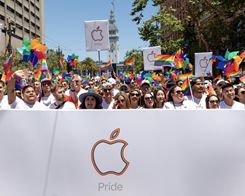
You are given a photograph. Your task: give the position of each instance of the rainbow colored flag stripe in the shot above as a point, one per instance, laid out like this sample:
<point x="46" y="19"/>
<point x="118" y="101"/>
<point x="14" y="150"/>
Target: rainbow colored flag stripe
<point x="107" y="65"/>
<point x="186" y="87"/>
<point x="130" y="61"/>
<point x="164" y="60"/>
<point x="234" y="74"/>
<point x="186" y="75"/>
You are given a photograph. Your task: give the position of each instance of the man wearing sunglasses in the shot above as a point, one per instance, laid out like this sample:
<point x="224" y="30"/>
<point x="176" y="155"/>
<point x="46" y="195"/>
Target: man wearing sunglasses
<point x="46" y="97"/>
<point x="75" y="90"/>
<point x="108" y="101"/>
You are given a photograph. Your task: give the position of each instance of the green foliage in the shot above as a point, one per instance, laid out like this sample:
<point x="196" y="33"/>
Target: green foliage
<point x="53" y="60"/>
<point x="208" y="25"/>
<point x="89" y="66"/>
<point x="139" y="62"/>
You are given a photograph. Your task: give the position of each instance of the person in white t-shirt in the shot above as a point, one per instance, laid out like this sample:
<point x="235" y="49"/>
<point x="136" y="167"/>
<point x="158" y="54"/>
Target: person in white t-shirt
<point x="3" y="98"/>
<point x="46" y="97"/>
<point x="176" y="100"/>
<point x="198" y="92"/>
<point x="29" y="97"/>
<point x="60" y="99"/>
<point x="228" y="102"/>
<point x="108" y="100"/>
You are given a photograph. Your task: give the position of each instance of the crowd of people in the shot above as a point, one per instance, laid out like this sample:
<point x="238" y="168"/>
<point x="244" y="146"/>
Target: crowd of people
<point x="114" y="94"/>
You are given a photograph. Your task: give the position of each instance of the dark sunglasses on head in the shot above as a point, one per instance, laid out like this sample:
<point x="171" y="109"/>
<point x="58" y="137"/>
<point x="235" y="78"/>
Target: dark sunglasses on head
<point x="179" y="92"/>
<point x="135" y="94"/>
<point x="213" y="101"/>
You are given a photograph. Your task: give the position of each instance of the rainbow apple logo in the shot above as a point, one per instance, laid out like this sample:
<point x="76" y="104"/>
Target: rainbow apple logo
<point x="108" y="155"/>
<point x="97" y="34"/>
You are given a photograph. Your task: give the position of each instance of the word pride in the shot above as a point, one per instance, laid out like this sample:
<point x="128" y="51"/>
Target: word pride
<point x="109" y="186"/>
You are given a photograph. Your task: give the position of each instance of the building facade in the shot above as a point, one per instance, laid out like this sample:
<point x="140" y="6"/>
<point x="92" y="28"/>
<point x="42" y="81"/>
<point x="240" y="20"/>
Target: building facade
<point x="27" y="17"/>
<point x="113" y="37"/>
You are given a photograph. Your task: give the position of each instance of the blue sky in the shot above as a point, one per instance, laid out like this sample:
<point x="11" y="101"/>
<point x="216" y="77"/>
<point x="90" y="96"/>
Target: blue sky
<point x="64" y="25"/>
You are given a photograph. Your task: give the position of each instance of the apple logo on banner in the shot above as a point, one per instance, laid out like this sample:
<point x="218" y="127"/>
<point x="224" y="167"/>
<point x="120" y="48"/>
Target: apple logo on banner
<point x="204" y="62"/>
<point x="108" y="155"/>
<point x="97" y="34"/>
<point x="151" y="56"/>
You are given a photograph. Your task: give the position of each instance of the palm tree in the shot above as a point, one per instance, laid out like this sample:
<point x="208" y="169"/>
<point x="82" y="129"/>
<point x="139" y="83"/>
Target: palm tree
<point x="90" y="66"/>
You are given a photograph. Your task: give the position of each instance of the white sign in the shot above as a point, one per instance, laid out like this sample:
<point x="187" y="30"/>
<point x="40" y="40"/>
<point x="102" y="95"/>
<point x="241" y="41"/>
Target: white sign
<point x="149" y="58"/>
<point x="97" y="35"/>
<point x="72" y="155"/>
<point x="203" y="65"/>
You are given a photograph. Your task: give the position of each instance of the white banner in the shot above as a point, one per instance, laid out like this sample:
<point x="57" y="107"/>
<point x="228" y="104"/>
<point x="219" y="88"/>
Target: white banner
<point x="149" y="58"/>
<point x="203" y="65"/>
<point x="101" y="153"/>
<point x="97" y="35"/>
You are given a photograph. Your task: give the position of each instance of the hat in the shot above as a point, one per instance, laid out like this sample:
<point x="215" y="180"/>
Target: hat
<point x="145" y="82"/>
<point x="45" y="80"/>
<point x="91" y="93"/>
<point x="112" y="81"/>
<point x="124" y="88"/>
<point x="195" y="80"/>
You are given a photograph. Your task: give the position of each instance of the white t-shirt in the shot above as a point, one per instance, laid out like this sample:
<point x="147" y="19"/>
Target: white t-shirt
<point x="4" y="103"/>
<point x="236" y="106"/>
<point x="199" y="103"/>
<point x="107" y="106"/>
<point x="21" y="105"/>
<point x="66" y="106"/>
<point x="186" y="104"/>
<point x="47" y="100"/>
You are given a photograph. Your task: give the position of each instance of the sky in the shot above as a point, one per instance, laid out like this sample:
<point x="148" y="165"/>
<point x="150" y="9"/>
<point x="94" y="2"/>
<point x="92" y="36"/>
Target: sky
<point x="64" y="25"/>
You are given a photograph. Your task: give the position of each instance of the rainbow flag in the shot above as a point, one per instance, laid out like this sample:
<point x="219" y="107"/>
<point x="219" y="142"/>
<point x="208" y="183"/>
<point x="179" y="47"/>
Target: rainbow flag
<point x="38" y="73"/>
<point x="165" y="60"/>
<point x="186" y="87"/>
<point x="186" y="75"/>
<point x="8" y="62"/>
<point x="242" y="79"/>
<point x="44" y="65"/>
<point x="61" y="64"/>
<point x="107" y="65"/>
<point x="130" y="61"/>
<point x="234" y="74"/>
<point x="211" y="90"/>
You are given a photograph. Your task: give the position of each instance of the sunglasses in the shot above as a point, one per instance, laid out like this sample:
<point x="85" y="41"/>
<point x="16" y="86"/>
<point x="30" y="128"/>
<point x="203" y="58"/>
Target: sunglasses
<point x="179" y="92"/>
<point x="148" y="98"/>
<point x="77" y="81"/>
<point x="121" y="101"/>
<point x="213" y="101"/>
<point x="107" y="90"/>
<point x="46" y="83"/>
<point x="243" y="92"/>
<point x="135" y="94"/>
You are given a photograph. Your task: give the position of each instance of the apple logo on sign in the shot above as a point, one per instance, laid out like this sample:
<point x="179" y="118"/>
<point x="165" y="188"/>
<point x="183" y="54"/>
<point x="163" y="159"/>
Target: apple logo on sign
<point x="204" y="62"/>
<point x="151" y="56"/>
<point x="108" y="155"/>
<point x="97" y="34"/>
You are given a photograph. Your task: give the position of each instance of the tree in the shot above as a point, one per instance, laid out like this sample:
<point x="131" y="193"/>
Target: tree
<point x="160" y="27"/>
<point x="53" y="60"/>
<point x="90" y="66"/>
<point x="139" y="64"/>
<point x="207" y="26"/>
